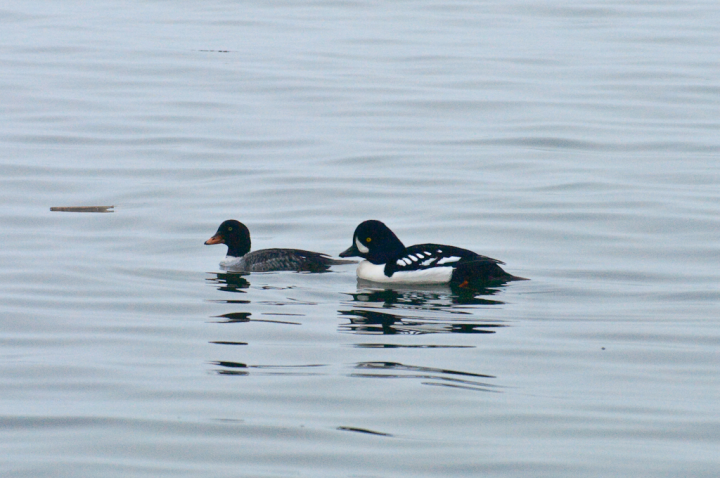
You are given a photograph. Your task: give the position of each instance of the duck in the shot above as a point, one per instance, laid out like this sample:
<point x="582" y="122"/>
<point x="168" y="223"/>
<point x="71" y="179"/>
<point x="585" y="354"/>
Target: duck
<point x="236" y="236"/>
<point x="387" y="260"/>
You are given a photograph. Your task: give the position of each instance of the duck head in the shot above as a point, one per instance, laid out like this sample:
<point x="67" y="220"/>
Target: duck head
<point x="375" y="242"/>
<point x="233" y="234"/>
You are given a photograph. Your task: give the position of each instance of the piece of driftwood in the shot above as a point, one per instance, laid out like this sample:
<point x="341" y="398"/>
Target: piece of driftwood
<point x="83" y="209"/>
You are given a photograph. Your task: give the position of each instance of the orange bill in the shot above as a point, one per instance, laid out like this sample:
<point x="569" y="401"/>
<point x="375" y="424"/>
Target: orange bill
<point x="215" y="240"/>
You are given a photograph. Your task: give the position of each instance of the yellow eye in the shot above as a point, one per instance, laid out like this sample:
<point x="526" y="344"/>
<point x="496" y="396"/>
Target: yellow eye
<point x="229" y="228"/>
<point x="368" y="239"/>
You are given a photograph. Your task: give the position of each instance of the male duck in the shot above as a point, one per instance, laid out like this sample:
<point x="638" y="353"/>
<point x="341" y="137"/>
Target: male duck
<point x="389" y="261"/>
<point x="236" y="236"/>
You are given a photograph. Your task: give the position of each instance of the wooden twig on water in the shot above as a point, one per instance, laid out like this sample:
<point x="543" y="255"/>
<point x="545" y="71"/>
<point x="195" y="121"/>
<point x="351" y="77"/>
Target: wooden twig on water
<point x="83" y="209"/>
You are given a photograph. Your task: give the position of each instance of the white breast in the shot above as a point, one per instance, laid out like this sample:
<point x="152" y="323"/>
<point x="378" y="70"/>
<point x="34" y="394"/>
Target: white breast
<point x="376" y="273"/>
<point x="232" y="263"/>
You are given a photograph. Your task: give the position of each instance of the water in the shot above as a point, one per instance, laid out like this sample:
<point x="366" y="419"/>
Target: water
<point x="576" y="143"/>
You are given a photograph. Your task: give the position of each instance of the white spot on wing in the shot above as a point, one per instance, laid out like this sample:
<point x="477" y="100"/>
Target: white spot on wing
<point x="445" y="260"/>
<point x="414" y="259"/>
<point x="360" y="246"/>
<point x="428" y="262"/>
<point x="400" y="262"/>
<point x="407" y="261"/>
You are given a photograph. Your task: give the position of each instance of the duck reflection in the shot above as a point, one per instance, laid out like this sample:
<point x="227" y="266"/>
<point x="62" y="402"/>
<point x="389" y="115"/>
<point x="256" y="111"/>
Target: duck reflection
<point x="441" y="295"/>
<point x="238" y="317"/>
<point x="419" y="310"/>
<point x="243" y="369"/>
<point x="234" y="282"/>
<point x="370" y="322"/>
<point x="230" y="281"/>
<point x="429" y="375"/>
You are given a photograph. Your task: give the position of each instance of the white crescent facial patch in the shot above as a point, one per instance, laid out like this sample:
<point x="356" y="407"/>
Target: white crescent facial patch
<point x="360" y="247"/>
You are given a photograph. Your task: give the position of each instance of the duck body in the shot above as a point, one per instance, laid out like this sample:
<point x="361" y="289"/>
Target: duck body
<point x="268" y="260"/>
<point x="387" y="260"/>
<point x="236" y="236"/>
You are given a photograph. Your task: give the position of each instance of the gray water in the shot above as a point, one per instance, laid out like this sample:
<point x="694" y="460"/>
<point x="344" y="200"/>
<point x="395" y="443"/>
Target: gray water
<point x="578" y="143"/>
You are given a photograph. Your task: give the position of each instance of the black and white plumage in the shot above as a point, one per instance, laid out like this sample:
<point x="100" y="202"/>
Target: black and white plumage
<point x="388" y="260"/>
<point x="236" y="236"/>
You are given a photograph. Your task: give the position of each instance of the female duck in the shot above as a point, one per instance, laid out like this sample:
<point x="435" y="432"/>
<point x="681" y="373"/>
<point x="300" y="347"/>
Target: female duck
<point x="388" y="260"/>
<point x="236" y="236"/>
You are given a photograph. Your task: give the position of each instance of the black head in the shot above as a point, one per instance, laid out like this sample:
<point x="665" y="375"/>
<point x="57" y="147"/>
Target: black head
<point x="235" y="235"/>
<point x="375" y="242"/>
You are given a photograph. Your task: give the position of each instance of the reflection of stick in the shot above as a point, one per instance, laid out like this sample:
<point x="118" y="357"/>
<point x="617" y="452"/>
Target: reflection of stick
<point x="83" y="209"/>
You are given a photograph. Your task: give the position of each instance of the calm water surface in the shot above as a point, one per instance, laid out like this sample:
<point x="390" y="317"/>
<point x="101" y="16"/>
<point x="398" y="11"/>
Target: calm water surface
<point x="579" y="144"/>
